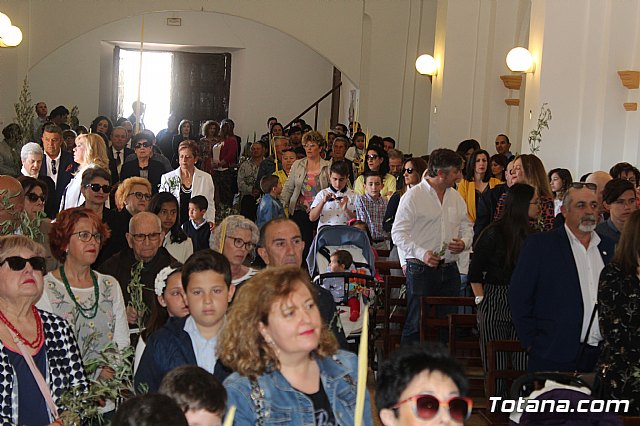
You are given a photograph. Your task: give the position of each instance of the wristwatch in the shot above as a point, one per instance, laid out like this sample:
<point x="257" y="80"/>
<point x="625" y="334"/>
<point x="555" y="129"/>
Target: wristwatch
<point x="479" y="299"/>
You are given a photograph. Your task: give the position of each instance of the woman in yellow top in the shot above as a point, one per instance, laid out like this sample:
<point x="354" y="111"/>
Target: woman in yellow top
<point x="377" y="161"/>
<point x="477" y="180"/>
<point x="288" y="158"/>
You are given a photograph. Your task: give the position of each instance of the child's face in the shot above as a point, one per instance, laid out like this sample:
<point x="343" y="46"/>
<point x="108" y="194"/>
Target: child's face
<point x="195" y="213"/>
<point x="338" y="181"/>
<point x="208" y="297"/>
<point x="202" y="417"/>
<point x="277" y="189"/>
<point x="335" y="265"/>
<point x="359" y="141"/>
<point x="373" y="185"/>
<point x="173" y="297"/>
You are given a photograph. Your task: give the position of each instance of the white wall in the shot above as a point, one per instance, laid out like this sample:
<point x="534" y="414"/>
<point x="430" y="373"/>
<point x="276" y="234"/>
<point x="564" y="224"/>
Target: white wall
<point x="580" y="45"/>
<point x="271" y="72"/>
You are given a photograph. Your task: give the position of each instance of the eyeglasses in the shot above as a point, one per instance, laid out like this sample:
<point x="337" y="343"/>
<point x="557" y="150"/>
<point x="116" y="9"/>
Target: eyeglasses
<point x="373" y="157"/>
<point x="17" y="263"/>
<point x="85" y="236"/>
<point x="426" y="407"/>
<point x="155" y="236"/>
<point x="580" y="185"/>
<point x="141" y="195"/>
<point x="408" y="170"/>
<point x="310" y="145"/>
<point x="143" y="145"/>
<point x="35" y="197"/>
<point x="239" y="242"/>
<point x="96" y="187"/>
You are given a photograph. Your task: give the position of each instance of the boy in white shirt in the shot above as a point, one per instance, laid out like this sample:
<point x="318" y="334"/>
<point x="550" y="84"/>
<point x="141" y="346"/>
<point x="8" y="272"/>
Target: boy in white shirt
<point x="334" y="205"/>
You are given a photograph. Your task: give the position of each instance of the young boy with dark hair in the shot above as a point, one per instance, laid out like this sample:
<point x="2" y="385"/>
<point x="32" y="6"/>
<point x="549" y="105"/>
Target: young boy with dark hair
<point x="206" y="279"/>
<point x="150" y="409"/>
<point x="370" y="208"/>
<point x="196" y="227"/>
<point x="270" y="206"/>
<point x="199" y="394"/>
<point x="334" y="205"/>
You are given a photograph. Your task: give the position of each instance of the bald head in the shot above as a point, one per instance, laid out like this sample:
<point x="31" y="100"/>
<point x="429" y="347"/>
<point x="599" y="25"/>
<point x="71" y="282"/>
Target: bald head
<point x="142" y="217"/>
<point x="12" y="201"/>
<point x="145" y="235"/>
<point x="600" y="178"/>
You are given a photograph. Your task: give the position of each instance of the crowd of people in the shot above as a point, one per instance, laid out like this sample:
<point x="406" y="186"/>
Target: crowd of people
<point x="191" y="248"/>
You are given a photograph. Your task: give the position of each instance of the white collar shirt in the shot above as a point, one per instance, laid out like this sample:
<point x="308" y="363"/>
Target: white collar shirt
<point x="205" y="350"/>
<point x="53" y="176"/>
<point x="589" y="264"/>
<point x="424" y="223"/>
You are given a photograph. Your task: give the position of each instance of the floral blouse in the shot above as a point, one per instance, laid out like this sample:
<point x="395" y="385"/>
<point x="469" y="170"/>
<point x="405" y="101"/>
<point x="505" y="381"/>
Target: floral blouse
<point x="93" y="334"/>
<point x="619" y="316"/>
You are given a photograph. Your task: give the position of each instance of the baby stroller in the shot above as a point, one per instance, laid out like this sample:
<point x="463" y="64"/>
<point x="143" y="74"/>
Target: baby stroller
<point x="358" y="281"/>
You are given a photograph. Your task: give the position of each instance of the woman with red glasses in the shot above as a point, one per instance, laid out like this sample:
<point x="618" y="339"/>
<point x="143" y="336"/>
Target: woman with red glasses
<point x="31" y="395"/>
<point x="422" y="385"/>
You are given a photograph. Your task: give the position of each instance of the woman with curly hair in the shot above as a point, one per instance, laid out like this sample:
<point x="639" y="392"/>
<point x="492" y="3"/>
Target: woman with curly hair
<point x="90" y="151"/>
<point x="132" y="197"/>
<point x="286" y="362"/>
<point x="92" y="303"/>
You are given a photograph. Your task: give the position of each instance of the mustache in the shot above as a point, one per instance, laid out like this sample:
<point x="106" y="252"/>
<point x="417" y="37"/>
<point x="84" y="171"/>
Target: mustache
<point x="588" y="218"/>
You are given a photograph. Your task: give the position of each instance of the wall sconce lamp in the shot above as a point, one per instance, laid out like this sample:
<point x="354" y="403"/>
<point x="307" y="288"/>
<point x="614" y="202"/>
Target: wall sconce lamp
<point x="427" y="65"/>
<point x="10" y="35"/>
<point x="519" y="59"/>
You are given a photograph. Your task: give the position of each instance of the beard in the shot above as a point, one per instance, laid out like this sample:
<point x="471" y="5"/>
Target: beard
<point x="587" y="223"/>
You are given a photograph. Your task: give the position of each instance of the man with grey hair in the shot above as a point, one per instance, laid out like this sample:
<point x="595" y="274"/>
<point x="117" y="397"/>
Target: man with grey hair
<point x="118" y="151"/>
<point x="554" y="288"/>
<point x="145" y="239"/>
<point x="31" y="156"/>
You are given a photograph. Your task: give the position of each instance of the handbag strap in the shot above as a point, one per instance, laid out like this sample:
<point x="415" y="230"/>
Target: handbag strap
<point x="257" y="397"/>
<point x="585" y="341"/>
<point x="37" y="375"/>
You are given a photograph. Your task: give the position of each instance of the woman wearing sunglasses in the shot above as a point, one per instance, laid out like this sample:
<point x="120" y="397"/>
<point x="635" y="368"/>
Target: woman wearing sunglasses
<point x="422" y="385"/>
<point x="27" y="332"/>
<point x="235" y="238"/>
<point x="35" y="196"/>
<point x="96" y="187"/>
<point x="90" y="151"/>
<point x="412" y="172"/>
<point x="376" y="160"/>
<point x="90" y="302"/>
<point x="144" y="166"/>
<point x="288" y="369"/>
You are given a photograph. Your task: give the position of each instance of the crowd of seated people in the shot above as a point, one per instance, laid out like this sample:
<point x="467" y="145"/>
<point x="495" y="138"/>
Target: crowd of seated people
<point x="546" y="259"/>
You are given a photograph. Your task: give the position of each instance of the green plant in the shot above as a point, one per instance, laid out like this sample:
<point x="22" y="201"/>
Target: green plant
<point x="7" y="226"/>
<point x="535" y="136"/>
<point x="25" y="113"/>
<point x="135" y="288"/>
<point x="72" y="119"/>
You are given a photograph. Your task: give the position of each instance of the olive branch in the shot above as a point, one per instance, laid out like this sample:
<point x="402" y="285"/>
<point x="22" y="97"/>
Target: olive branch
<point x="535" y="136"/>
<point x="135" y="289"/>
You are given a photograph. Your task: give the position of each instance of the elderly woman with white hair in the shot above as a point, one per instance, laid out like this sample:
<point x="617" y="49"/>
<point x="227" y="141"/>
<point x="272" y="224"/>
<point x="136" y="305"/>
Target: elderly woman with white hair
<point x="235" y="238"/>
<point x="31" y="156"/>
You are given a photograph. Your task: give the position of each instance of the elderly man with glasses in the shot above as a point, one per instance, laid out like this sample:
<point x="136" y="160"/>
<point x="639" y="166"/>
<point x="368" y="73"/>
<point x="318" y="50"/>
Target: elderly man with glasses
<point x="145" y="239"/>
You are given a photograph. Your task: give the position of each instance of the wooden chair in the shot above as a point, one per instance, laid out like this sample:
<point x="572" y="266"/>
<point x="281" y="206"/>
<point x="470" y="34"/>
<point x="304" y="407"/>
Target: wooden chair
<point x="389" y="267"/>
<point x="464" y="346"/>
<point x="493" y="374"/>
<point x="434" y="327"/>
<point x="383" y="253"/>
<point x="393" y="313"/>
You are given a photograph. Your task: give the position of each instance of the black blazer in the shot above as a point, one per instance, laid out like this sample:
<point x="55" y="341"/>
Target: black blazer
<point x="113" y="168"/>
<point x="66" y="169"/>
<point x="50" y="206"/>
<point x="546" y="300"/>
<point x="155" y="168"/>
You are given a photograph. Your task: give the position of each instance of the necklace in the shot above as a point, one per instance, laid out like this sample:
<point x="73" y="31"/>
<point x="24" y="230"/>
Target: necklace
<point x="90" y="312"/>
<point x="17" y="335"/>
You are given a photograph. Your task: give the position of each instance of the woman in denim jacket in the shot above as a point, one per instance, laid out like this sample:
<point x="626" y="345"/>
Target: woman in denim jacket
<point x="287" y="366"/>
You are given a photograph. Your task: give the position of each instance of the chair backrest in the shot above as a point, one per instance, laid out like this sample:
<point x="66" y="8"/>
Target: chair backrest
<point x="393" y="311"/>
<point x="385" y="267"/>
<point x="434" y="311"/>
<point x="494" y="373"/>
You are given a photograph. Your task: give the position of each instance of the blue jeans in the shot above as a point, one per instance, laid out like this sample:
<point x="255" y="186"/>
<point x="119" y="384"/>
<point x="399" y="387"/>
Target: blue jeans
<point x="425" y="281"/>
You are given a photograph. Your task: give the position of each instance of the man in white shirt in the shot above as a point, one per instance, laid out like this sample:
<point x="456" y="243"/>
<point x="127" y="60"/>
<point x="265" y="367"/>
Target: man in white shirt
<point x="554" y="288"/>
<point x="431" y="228"/>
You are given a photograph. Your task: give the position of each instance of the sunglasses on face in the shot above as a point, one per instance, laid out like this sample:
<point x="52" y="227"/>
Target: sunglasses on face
<point x="408" y="170"/>
<point x="96" y="187"/>
<point x="141" y="195"/>
<point x="17" y="263"/>
<point x="35" y="197"/>
<point x="143" y="145"/>
<point x="372" y="157"/>
<point x="580" y="185"/>
<point x="426" y="407"/>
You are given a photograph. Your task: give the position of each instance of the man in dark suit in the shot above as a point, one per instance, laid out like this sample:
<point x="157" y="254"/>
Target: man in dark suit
<point x="57" y="164"/>
<point x="554" y="288"/>
<point x="118" y="152"/>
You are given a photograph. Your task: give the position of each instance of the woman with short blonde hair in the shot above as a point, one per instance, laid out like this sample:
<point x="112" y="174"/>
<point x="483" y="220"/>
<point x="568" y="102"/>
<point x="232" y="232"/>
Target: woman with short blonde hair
<point x="90" y="151"/>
